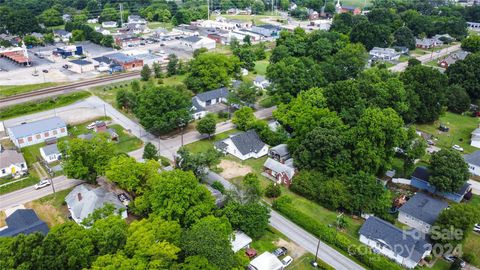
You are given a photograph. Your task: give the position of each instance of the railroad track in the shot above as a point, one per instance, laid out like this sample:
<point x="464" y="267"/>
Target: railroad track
<point x="72" y="86"/>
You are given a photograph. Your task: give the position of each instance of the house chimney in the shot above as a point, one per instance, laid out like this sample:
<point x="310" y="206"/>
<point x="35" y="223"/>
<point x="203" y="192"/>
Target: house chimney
<point x="79" y="195"/>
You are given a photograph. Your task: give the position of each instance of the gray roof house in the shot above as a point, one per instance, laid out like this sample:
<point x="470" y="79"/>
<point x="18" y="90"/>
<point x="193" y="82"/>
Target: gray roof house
<point x="243" y="145"/>
<point x="50" y="153"/>
<point x="12" y="163"/>
<point x="421" y="212"/>
<point x="23" y="221"/>
<point x="37" y="131"/>
<point x="452" y="58"/>
<point x="473" y="161"/>
<point x="84" y="200"/>
<point x="279" y="153"/>
<point x="401" y="246"/>
<point x="261" y="82"/>
<point x="384" y="53"/>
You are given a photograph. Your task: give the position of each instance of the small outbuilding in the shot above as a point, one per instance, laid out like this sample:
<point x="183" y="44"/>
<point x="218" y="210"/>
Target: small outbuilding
<point x="80" y="66"/>
<point x="266" y="261"/>
<point x="50" y="153"/>
<point x="240" y="241"/>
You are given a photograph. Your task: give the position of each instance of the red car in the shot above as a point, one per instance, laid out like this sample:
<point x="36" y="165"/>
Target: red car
<point x="251" y="253"/>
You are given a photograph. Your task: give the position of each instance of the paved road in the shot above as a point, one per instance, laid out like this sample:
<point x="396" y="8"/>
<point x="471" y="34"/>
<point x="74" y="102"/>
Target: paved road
<point x="309" y="242"/>
<point x="427" y="57"/>
<point x="29" y="194"/>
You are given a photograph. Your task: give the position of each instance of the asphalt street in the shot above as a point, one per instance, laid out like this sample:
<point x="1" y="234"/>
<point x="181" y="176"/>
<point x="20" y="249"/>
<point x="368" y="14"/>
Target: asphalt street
<point x="28" y="194"/>
<point x="426" y="58"/>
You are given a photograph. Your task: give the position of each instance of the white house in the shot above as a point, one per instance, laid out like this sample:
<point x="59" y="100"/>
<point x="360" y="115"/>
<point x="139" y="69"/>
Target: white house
<point x="109" y="24"/>
<point x="473" y="161"/>
<point x="84" y="200"/>
<point x="243" y="145"/>
<point x="193" y="43"/>
<point x="421" y="211"/>
<point x="62" y="35"/>
<point x="475" y="140"/>
<point x="384" y="53"/>
<point x="261" y="82"/>
<point x="80" y="66"/>
<point x="50" y="153"/>
<point x="36" y="132"/>
<point x="12" y="163"/>
<point x="212" y="97"/>
<point x="266" y="261"/>
<point x="401" y="246"/>
<point x="136" y="19"/>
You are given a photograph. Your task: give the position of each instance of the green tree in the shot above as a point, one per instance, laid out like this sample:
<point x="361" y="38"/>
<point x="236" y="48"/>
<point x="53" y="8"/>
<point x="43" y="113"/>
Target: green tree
<point x="164" y="108"/>
<point x="31" y="41"/>
<point x="172" y="64"/>
<point x="371" y="35"/>
<point x="211" y="71"/>
<point x="342" y="23"/>
<point x="48" y="38"/>
<point x="458" y="99"/>
<point x="109" y="234"/>
<point x="199" y="51"/>
<point x="78" y="35"/>
<point x="126" y="99"/>
<point x="107" y="41"/>
<point x="465" y="73"/>
<point x="157" y="70"/>
<point x="210" y="238"/>
<point x="449" y="171"/>
<point x="145" y="73"/>
<point x="251" y="218"/>
<point x="345" y="98"/>
<point x="471" y="44"/>
<point x="403" y="36"/>
<point x="245" y="94"/>
<point x="197" y="162"/>
<point x="86" y="159"/>
<point x="457" y="217"/>
<point x="347" y="63"/>
<point x="207" y="125"/>
<point x="251" y="187"/>
<point x="244" y="118"/>
<point x="51" y="17"/>
<point x="109" y="14"/>
<point x="273" y="191"/>
<point x="367" y="195"/>
<point x="413" y="148"/>
<point x="150" y="151"/>
<point x="129" y="174"/>
<point x="258" y="7"/>
<point x="197" y="263"/>
<point x="176" y="195"/>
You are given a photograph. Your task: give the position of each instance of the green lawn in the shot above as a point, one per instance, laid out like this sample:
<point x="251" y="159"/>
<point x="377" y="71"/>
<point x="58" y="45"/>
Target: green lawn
<point x="460" y="129"/>
<point x="266" y="242"/>
<point x="439" y="265"/>
<point x="206" y="144"/>
<point x="10" y="90"/>
<point x="41" y="105"/>
<point x="257" y="19"/>
<point x="155" y="25"/>
<point x="31" y="180"/>
<point x="261" y="67"/>
<point x="303" y="263"/>
<point x="126" y="142"/>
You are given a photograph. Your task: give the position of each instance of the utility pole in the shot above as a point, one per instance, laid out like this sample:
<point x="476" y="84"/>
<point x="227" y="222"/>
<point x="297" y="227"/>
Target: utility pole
<point x="272" y="7"/>
<point x="104" y="110"/>
<point x="121" y="15"/>
<point x="208" y="9"/>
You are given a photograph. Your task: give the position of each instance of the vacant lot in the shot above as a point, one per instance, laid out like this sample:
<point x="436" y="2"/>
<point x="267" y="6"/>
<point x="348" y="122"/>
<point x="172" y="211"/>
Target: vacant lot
<point x="52" y="208"/>
<point x="461" y="127"/>
<point x="232" y="169"/>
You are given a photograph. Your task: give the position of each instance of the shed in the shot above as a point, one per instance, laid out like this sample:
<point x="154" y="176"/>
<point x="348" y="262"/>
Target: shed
<point x="240" y="241"/>
<point x="266" y="261"/>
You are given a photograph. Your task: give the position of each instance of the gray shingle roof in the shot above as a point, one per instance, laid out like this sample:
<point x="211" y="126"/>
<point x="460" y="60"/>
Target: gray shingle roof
<point x="90" y="199"/>
<point x="213" y="94"/>
<point x="473" y="158"/>
<point x="247" y="142"/>
<point x="36" y="127"/>
<point x="279" y="167"/>
<point x="396" y="239"/>
<point x="24" y="221"/>
<point x="424" y="207"/>
<point x="50" y="149"/>
<point x="80" y="62"/>
<point x="281" y="150"/>
<point x="192" y="39"/>
<point x="197" y="106"/>
<point x="9" y="157"/>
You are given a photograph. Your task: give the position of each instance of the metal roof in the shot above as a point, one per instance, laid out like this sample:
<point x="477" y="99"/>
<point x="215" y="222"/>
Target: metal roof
<point x="424" y="207"/>
<point x="120" y="57"/>
<point x="24" y="221"/>
<point x="281" y="150"/>
<point x="80" y="62"/>
<point x="36" y="127"/>
<point x="192" y="39"/>
<point x="50" y="149"/>
<point x="392" y="237"/>
<point x="421" y="173"/>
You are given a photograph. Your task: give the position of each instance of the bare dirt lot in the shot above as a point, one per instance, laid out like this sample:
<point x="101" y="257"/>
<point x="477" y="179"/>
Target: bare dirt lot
<point x="232" y="169"/>
<point x="294" y="250"/>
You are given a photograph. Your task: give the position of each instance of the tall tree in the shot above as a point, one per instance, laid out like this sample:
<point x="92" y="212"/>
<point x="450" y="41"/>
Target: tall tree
<point x="129" y="174"/>
<point x="197" y="162"/>
<point x="244" y="118"/>
<point x="157" y="70"/>
<point x="371" y="35"/>
<point x="150" y="151"/>
<point x="347" y="63"/>
<point x="251" y="218"/>
<point x="172" y="64"/>
<point x="449" y="171"/>
<point x="403" y="36"/>
<point x="251" y="186"/>
<point x="145" y="73"/>
<point x="207" y="125"/>
<point x="466" y="73"/>
<point x="210" y="238"/>
<point x="458" y="217"/>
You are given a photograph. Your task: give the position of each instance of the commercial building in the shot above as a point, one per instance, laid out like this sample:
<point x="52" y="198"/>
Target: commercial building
<point x="37" y="131"/>
<point x="193" y="43"/>
<point x="80" y="66"/>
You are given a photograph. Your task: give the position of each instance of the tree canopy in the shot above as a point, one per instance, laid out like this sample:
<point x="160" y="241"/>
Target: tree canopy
<point x="449" y="171"/>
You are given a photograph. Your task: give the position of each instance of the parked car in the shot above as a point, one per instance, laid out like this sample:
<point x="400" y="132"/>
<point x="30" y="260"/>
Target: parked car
<point x="476" y="228"/>
<point x="287" y="261"/>
<point x="451" y="258"/>
<point x="45" y="71"/>
<point x="280" y="251"/>
<point x="457" y="147"/>
<point x="443" y="128"/>
<point x="43" y="183"/>
<point x="430" y="142"/>
<point x="124" y="198"/>
<point x="250" y="252"/>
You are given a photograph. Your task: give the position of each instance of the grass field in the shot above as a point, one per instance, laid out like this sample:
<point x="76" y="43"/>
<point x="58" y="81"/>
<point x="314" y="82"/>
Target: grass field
<point x="51" y="208"/>
<point x="41" y="105"/>
<point x="10" y="90"/>
<point x="460" y="126"/>
<point x="155" y="25"/>
<point x="31" y="180"/>
<point x="206" y="144"/>
<point x="303" y="263"/>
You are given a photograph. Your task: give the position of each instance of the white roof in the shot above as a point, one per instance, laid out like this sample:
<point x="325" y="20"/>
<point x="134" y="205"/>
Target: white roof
<point x="267" y="261"/>
<point x="241" y="240"/>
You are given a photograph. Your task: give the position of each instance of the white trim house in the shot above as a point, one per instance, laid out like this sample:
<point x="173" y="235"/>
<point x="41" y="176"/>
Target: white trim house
<point x="12" y="163"/>
<point x="473" y="161"/>
<point x="37" y="132"/>
<point x="50" y="153"/>
<point x="243" y="145"/>
<point x="401" y="246"/>
<point x="421" y="211"/>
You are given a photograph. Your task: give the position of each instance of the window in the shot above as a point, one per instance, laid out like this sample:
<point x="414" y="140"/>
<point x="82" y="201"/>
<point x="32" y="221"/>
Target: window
<point x="3" y="171"/>
<point x="62" y="130"/>
<point x="38" y="136"/>
<point x="46" y="134"/>
<point x="30" y="139"/>
<point x="55" y="132"/>
<point x="22" y="165"/>
<point x="20" y="141"/>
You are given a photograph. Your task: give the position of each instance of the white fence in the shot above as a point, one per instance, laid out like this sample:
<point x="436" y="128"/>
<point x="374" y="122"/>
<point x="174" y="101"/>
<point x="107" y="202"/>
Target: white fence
<point x="401" y="181"/>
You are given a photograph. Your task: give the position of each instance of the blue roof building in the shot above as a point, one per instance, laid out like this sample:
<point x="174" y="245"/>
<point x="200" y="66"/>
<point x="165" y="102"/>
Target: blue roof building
<point x="24" y="221"/>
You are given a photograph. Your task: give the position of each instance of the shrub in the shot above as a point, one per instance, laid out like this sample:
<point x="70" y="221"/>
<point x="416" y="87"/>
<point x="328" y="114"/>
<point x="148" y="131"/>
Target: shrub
<point x="218" y="186"/>
<point x="469" y="258"/>
<point x="273" y="191"/>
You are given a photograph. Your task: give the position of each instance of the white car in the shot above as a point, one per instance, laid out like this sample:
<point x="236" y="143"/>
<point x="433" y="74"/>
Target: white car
<point x="287" y="261"/>
<point x="457" y="147"/>
<point x="43" y="183"/>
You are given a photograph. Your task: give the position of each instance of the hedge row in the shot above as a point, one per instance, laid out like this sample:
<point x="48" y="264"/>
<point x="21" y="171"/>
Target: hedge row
<point x="330" y="236"/>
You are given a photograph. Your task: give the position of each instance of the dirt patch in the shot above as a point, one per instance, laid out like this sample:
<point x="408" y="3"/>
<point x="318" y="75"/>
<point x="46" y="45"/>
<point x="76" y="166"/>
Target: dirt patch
<point x="46" y="212"/>
<point x="294" y="250"/>
<point x="232" y="169"/>
<point x="2" y="219"/>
